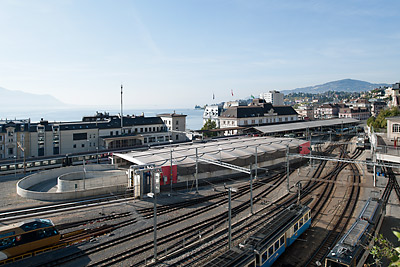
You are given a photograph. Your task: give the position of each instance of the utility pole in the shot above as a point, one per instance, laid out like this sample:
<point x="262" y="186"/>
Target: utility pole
<point x="287" y="167"/>
<point x="122" y="115"/>
<point x="230" y="222"/>
<point x="155" y="216"/>
<point x="197" y="171"/>
<point x="251" y="189"/>
<point x="170" y="177"/>
<point x="255" y="174"/>
<point x="23" y="150"/>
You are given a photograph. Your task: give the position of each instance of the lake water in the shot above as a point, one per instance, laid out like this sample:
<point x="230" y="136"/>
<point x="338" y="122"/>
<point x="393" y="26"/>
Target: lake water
<point x="194" y="119"/>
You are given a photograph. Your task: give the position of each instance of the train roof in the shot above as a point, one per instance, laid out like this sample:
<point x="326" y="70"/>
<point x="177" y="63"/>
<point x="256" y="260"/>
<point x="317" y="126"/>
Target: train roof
<point x="357" y="237"/>
<point x="232" y="257"/>
<point x="271" y="230"/>
<point x="369" y="211"/>
<point x="345" y="250"/>
<point x="27" y="225"/>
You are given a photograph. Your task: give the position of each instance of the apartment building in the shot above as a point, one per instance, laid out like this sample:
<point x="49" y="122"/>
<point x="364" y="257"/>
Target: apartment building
<point x="274" y="97"/>
<point x="354" y="113"/>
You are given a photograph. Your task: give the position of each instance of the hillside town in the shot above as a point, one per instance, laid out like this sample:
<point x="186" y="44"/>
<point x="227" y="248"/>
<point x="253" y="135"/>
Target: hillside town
<point x="274" y="107"/>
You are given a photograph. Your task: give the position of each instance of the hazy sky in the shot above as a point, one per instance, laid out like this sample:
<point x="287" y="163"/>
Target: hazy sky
<point x="178" y="53"/>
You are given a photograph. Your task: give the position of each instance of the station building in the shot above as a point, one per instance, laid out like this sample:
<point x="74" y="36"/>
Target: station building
<point x="94" y="133"/>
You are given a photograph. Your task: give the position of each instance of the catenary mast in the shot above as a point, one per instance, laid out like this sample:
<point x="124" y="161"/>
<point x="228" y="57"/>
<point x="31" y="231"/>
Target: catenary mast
<point x="122" y="115"/>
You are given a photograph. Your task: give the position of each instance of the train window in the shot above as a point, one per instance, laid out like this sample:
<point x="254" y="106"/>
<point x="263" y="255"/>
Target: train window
<point x="264" y="256"/>
<point x="7" y="234"/>
<point x="282" y="240"/>
<point x="301" y="222"/>
<point x="276" y="245"/>
<point x="7" y="242"/>
<point x="270" y="251"/>
<point x="306" y="217"/>
<point x="296" y="227"/>
<point x="253" y="264"/>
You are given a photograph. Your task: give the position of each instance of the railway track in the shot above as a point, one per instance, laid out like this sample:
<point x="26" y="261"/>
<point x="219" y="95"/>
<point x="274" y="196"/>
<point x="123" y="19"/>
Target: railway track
<point x="201" y="251"/>
<point x="137" y="234"/>
<point x="36" y="211"/>
<point x="341" y="221"/>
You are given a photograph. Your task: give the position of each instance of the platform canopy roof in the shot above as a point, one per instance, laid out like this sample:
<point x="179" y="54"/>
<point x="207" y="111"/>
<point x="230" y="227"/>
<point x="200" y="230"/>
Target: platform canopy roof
<point x="287" y="127"/>
<point x="228" y="149"/>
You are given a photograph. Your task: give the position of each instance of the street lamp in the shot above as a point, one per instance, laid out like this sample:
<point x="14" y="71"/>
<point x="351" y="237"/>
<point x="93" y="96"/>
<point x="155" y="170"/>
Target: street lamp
<point x="97" y="154"/>
<point x="15" y="166"/>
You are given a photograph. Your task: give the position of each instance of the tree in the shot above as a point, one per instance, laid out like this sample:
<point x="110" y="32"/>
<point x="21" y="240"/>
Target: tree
<point x="384" y="249"/>
<point x="380" y="120"/>
<point x="209" y="125"/>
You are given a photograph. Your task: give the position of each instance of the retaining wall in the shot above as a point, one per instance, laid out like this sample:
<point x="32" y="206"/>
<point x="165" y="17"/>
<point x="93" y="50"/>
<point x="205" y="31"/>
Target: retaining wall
<point x="24" y="185"/>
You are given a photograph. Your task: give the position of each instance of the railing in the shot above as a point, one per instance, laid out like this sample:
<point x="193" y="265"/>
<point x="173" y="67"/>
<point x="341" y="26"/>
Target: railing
<point x="390" y="150"/>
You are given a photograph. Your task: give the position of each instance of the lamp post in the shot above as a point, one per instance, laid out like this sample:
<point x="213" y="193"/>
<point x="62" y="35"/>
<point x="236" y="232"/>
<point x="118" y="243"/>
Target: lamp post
<point x="251" y="189"/>
<point x="15" y="166"/>
<point x="197" y="171"/>
<point x="97" y="154"/>
<point x="155" y="216"/>
<point x="170" y="177"/>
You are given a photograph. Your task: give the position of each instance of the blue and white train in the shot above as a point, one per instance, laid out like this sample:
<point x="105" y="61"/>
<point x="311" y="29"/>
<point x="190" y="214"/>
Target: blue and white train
<point x="265" y="246"/>
<point x="353" y="248"/>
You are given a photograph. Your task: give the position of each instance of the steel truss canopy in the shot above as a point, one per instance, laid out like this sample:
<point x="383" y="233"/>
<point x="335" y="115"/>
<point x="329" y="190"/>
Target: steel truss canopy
<point x="226" y="150"/>
<point x="296" y="126"/>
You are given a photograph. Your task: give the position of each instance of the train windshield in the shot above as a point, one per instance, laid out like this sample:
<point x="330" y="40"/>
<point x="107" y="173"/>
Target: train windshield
<point x="330" y="263"/>
<point x="42" y="223"/>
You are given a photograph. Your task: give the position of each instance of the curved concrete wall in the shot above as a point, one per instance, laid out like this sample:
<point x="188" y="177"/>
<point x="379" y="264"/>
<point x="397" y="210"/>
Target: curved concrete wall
<point x="78" y="181"/>
<point x="24" y="185"/>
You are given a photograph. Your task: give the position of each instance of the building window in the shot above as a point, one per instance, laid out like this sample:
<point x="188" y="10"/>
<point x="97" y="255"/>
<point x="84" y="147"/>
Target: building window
<point x="177" y="122"/>
<point x="396" y="128"/>
<point x="74" y="145"/>
<point x="111" y="133"/>
<point x="79" y="136"/>
<point x="177" y="137"/>
<point x="116" y="132"/>
<point x="1" y="138"/>
<point x="83" y="145"/>
<point x="10" y="151"/>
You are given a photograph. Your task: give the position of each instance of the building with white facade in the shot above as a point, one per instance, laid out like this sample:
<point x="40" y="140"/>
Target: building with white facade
<point x="212" y="113"/>
<point x="257" y="113"/>
<point x="354" y="113"/>
<point x="93" y="133"/>
<point x="274" y="97"/>
<point x="176" y="124"/>
<point x="306" y="112"/>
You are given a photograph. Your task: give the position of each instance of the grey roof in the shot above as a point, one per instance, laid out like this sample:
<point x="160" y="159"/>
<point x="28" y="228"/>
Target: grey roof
<point x="257" y="110"/>
<point x="225" y="149"/>
<point x="303" y="125"/>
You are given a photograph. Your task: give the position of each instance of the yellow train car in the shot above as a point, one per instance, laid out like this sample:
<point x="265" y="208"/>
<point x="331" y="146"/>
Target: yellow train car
<point x="23" y="237"/>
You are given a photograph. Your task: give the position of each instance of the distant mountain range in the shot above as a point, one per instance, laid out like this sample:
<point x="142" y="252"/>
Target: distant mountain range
<point x="346" y="85"/>
<point x="15" y="100"/>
